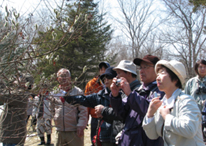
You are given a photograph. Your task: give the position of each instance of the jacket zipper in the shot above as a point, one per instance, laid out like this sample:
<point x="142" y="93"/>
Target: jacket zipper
<point x="63" y="117"/>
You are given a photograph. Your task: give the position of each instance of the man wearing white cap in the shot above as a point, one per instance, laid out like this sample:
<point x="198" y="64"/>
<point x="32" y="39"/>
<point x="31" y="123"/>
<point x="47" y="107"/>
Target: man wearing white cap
<point x="126" y="69"/>
<point x="134" y="108"/>
<point x="176" y="117"/>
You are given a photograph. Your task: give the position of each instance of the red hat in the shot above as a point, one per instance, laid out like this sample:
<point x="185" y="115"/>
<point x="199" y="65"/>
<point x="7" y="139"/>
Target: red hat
<point x="147" y="58"/>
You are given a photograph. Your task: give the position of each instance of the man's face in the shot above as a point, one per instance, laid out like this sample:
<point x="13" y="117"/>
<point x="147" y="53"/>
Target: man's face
<point x="107" y="81"/>
<point x="121" y="73"/>
<point x="102" y="70"/>
<point x="63" y="78"/>
<point x="147" y="73"/>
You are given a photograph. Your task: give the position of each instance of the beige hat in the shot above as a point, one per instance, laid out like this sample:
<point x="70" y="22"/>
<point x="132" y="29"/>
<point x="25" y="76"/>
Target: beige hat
<point x="175" y="66"/>
<point x="126" y="65"/>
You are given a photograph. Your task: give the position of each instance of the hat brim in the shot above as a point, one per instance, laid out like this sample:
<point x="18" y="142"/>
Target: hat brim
<point x="103" y="75"/>
<point x="121" y="68"/>
<point x="138" y="61"/>
<point x="169" y="66"/>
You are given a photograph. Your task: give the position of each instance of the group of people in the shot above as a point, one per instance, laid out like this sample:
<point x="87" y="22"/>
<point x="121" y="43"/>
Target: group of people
<point x="154" y="111"/>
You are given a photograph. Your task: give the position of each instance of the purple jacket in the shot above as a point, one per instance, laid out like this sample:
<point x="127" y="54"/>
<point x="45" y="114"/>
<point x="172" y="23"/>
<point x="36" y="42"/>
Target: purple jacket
<point x="133" y="109"/>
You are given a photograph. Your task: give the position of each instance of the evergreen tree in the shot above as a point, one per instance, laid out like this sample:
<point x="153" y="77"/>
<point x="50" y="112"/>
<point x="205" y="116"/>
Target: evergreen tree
<point x="81" y="36"/>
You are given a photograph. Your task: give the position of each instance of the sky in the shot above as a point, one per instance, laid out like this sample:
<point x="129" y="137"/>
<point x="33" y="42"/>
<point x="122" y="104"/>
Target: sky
<point x="29" y="6"/>
<point x="26" y="7"/>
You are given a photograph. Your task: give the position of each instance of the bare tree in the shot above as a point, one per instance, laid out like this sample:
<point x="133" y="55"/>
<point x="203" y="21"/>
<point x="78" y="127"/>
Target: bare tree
<point x="19" y="54"/>
<point x="184" y="32"/>
<point x="136" y="23"/>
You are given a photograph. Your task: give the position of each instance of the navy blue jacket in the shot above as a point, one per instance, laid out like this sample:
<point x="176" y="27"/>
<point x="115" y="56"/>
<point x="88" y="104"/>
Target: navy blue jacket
<point x="110" y="116"/>
<point x="133" y="109"/>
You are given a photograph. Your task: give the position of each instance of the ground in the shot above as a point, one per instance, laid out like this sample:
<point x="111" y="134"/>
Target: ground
<point x="33" y="140"/>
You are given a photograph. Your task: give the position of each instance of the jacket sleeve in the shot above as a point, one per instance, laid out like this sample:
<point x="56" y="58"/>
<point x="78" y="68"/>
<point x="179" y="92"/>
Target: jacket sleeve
<point x="82" y="116"/>
<point x="138" y="103"/>
<point x="109" y="115"/>
<point x="187" y="88"/>
<point x="88" y="88"/>
<point x="150" y="129"/>
<point x="120" y="106"/>
<point x="188" y="121"/>
<point x="89" y="101"/>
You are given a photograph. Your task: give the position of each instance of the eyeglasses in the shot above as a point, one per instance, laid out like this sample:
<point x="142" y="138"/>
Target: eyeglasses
<point x="63" y="76"/>
<point x="144" y="67"/>
<point x="202" y="67"/>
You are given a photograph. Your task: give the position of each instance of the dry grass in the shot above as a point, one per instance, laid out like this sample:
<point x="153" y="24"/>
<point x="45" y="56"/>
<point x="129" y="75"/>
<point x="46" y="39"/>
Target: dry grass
<point x="33" y="140"/>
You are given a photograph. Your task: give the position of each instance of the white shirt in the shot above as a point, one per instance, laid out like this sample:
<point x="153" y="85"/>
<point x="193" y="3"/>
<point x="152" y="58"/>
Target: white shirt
<point x="169" y="102"/>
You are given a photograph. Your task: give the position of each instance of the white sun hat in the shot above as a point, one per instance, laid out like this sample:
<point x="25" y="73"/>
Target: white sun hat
<point x="126" y="65"/>
<point x="175" y="66"/>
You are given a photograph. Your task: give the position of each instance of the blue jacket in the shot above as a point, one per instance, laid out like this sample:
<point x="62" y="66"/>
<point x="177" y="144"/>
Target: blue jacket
<point x="133" y="109"/>
<point x="110" y="116"/>
<point x="92" y="100"/>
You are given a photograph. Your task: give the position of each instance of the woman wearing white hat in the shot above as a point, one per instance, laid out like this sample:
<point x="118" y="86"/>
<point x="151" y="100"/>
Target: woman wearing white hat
<point x="176" y="117"/>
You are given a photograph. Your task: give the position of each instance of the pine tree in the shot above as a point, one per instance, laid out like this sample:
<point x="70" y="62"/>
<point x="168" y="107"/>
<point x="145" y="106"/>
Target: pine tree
<point x="83" y="36"/>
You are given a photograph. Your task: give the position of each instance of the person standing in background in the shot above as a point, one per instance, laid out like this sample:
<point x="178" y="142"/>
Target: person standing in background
<point x="13" y="117"/>
<point x="196" y="87"/>
<point x="70" y="120"/>
<point x="43" y="115"/>
<point x="94" y="86"/>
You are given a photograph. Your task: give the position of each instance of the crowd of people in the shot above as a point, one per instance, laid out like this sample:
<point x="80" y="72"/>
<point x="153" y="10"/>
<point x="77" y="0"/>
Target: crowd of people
<point x="154" y="111"/>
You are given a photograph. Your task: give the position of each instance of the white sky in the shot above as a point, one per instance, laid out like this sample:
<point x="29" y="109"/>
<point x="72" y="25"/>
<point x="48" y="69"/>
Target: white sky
<point x="29" y="6"/>
<point x="24" y="7"/>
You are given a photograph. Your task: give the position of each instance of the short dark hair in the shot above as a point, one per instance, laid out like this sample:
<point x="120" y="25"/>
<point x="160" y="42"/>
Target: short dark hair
<point x="172" y="76"/>
<point x="202" y="61"/>
<point x="103" y="65"/>
<point x="133" y="75"/>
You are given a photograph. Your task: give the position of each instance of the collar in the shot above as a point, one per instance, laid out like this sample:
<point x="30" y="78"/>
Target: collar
<point x="134" y="84"/>
<point x="148" y="86"/>
<point x="201" y="79"/>
<point x="171" y="101"/>
<point x="107" y="91"/>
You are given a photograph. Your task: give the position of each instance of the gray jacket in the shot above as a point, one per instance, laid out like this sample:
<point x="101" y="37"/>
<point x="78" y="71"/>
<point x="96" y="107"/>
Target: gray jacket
<point x="196" y="87"/>
<point x="182" y="127"/>
<point x="68" y="117"/>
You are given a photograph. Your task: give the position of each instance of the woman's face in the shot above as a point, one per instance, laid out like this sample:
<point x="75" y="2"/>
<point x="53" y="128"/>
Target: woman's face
<point x="202" y="70"/>
<point x="164" y="82"/>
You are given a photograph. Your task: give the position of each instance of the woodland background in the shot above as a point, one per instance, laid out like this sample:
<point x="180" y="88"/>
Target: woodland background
<point x="79" y="34"/>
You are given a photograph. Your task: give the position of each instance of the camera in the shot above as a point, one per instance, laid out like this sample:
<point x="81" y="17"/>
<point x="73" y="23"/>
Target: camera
<point x="201" y="90"/>
<point x="118" y="82"/>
